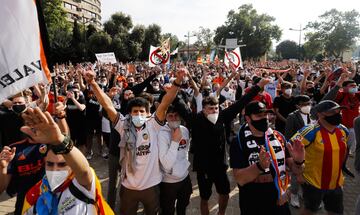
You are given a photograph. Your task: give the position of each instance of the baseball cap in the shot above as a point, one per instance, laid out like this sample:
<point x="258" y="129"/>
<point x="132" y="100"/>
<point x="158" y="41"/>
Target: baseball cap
<point x="325" y="106"/>
<point x="256" y="107"/>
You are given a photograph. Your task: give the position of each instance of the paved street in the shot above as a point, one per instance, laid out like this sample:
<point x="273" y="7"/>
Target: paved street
<point x="352" y="190"/>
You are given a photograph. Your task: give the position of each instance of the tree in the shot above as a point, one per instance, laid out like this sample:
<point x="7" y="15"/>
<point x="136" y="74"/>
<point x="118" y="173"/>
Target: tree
<point x="255" y="30"/>
<point x="152" y="37"/>
<point x="337" y="31"/>
<point x="118" y="23"/>
<point x="91" y="29"/>
<point x="204" y="39"/>
<point x="313" y="46"/>
<point x="288" y="49"/>
<point x="99" y="42"/>
<point x="136" y="38"/>
<point x="58" y="29"/>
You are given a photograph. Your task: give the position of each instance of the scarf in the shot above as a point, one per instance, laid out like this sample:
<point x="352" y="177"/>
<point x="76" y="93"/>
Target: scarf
<point x="128" y="146"/>
<point x="275" y="146"/>
<point x="47" y="203"/>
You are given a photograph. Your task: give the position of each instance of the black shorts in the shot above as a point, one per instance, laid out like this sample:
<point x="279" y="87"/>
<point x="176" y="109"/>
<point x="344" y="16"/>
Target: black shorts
<point x="206" y="180"/>
<point x="93" y="124"/>
<point x="333" y="199"/>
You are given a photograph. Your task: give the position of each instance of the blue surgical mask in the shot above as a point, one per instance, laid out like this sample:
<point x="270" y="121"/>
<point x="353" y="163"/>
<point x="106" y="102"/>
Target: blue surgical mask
<point x="353" y="90"/>
<point x="138" y="120"/>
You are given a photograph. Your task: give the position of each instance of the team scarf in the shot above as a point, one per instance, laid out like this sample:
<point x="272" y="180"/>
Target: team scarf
<point x="47" y="203"/>
<point x="273" y="140"/>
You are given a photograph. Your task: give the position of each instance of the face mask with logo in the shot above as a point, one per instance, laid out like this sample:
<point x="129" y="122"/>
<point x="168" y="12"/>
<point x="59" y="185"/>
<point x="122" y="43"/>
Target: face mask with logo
<point x="288" y="92"/>
<point x="56" y="178"/>
<point x="353" y="90"/>
<point x="213" y="117"/>
<point x="18" y="109"/>
<point x="261" y="124"/>
<point x="174" y="124"/>
<point x="138" y="120"/>
<point x="334" y="119"/>
<point x="305" y="109"/>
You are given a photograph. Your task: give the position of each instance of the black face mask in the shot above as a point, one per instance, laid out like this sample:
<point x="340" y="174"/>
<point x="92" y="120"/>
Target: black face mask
<point x="311" y="90"/>
<point x="261" y="124"/>
<point x="130" y="84"/>
<point x="334" y="119"/>
<point x="18" y="109"/>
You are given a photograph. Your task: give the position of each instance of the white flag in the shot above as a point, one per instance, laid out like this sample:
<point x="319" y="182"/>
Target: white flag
<point x="157" y="57"/>
<point x="175" y="51"/>
<point x="233" y="57"/>
<point x="22" y="57"/>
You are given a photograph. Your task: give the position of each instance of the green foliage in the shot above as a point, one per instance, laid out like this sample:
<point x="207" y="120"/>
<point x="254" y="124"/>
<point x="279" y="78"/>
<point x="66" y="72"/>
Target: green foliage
<point x="204" y="39"/>
<point x="99" y="42"/>
<point x="118" y="23"/>
<point x="152" y="37"/>
<point x="334" y="32"/>
<point x="288" y="49"/>
<point x="174" y="40"/>
<point x="255" y="30"/>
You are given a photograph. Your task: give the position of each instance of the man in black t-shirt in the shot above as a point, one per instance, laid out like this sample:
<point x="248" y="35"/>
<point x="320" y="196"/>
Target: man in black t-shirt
<point x="283" y="106"/>
<point x="259" y="158"/>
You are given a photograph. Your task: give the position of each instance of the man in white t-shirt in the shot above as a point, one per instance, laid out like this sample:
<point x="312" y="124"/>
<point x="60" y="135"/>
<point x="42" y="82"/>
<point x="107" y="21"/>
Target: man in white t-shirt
<point x="173" y="151"/>
<point x="69" y="185"/>
<point x="139" y="152"/>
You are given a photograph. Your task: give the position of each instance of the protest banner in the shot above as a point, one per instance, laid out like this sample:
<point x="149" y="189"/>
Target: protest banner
<point x="106" y="57"/>
<point x="22" y="63"/>
<point x="233" y="57"/>
<point x="157" y="57"/>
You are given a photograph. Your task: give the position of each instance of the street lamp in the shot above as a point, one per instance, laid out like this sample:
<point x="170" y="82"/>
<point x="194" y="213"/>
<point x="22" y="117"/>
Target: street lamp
<point x="188" y="37"/>
<point x="299" y="30"/>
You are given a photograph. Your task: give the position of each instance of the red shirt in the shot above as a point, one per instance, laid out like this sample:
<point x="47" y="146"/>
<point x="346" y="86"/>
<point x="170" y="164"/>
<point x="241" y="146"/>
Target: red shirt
<point x="263" y="97"/>
<point x="352" y="102"/>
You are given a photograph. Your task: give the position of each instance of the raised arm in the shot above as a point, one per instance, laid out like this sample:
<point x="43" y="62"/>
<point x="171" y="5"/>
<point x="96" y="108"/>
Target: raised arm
<point x="101" y="96"/>
<point x="170" y="95"/>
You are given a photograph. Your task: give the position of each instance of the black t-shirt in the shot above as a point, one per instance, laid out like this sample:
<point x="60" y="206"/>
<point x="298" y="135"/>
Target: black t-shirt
<point x="75" y="116"/>
<point x="92" y="105"/>
<point x="242" y="155"/>
<point x="26" y="169"/>
<point x="285" y="106"/>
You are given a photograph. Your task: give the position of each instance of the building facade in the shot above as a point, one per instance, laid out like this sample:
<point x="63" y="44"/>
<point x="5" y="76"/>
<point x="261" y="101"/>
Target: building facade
<point x="85" y="11"/>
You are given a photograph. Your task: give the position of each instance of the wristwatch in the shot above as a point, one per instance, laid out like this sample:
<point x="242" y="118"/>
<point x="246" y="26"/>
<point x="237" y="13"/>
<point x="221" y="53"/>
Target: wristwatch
<point x="258" y="165"/>
<point x="64" y="147"/>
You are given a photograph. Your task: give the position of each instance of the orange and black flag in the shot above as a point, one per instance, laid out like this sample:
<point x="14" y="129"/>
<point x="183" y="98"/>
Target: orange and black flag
<point x="23" y="47"/>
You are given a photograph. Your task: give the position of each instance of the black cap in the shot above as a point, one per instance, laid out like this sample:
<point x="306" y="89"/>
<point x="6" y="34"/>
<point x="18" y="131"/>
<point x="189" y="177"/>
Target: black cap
<point x="325" y="106"/>
<point x="256" y="107"/>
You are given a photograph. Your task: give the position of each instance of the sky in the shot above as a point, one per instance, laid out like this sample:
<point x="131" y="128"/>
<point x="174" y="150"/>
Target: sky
<point x="180" y="16"/>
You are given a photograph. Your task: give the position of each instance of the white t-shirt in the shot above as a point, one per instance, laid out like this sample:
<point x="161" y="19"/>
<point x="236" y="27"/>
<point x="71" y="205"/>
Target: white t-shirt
<point x="174" y="156"/>
<point x="147" y="173"/>
<point x="229" y="95"/>
<point x="69" y="204"/>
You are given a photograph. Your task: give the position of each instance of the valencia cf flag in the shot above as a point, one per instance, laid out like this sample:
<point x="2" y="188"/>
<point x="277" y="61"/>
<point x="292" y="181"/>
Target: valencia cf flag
<point x="23" y="46"/>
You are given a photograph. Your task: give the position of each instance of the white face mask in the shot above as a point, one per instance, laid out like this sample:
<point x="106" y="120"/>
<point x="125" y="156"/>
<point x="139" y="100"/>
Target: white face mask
<point x="174" y="124"/>
<point x="213" y="117"/>
<point x="305" y="109"/>
<point x="56" y="178"/>
<point x="138" y="120"/>
<point x="288" y="92"/>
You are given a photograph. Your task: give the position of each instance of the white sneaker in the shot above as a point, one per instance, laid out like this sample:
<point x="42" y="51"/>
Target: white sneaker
<point x="295" y="201"/>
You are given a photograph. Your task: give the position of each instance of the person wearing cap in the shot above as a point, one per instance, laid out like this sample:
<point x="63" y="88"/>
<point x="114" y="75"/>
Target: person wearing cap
<point x="261" y="159"/>
<point x="326" y="149"/>
<point x="284" y="104"/>
<point x="294" y="122"/>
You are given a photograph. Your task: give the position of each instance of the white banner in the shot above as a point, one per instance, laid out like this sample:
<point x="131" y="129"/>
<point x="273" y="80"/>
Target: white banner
<point x="106" y="57"/>
<point x="157" y="57"/>
<point x="22" y="58"/>
<point x="233" y="57"/>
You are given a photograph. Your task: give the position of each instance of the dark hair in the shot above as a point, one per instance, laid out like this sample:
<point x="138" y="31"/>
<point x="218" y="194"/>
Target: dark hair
<point x="286" y="84"/>
<point x="348" y="82"/>
<point x="301" y="98"/>
<point x="210" y="100"/>
<point x="172" y="109"/>
<point x="138" y="102"/>
<point x="149" y="97"/>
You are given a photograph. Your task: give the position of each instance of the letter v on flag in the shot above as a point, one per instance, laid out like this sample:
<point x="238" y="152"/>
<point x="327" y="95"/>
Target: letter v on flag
<point x="233" y="57"/>
<point x="22" y="58"/>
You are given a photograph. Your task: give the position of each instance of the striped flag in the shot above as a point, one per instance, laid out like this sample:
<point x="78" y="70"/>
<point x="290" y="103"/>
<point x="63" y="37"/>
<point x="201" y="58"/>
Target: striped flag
<point x="22" y="60"/>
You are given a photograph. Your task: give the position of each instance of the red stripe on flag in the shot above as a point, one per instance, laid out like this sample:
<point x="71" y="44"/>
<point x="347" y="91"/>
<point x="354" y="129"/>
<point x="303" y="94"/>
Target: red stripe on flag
<point x="327" y="160"/>
<point x="342" y="148"/>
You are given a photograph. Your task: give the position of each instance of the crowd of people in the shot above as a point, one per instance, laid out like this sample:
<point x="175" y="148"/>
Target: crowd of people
<point x="286" y="130"/>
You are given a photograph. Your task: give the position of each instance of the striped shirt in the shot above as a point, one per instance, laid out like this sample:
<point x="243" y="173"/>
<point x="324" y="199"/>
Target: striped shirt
<point x="324" y="155"/>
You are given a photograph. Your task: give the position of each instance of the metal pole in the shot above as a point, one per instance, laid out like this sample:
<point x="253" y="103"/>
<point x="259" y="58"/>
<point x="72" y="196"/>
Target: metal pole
<point x="188" y="36"/>
<point x="300" y="42"/>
